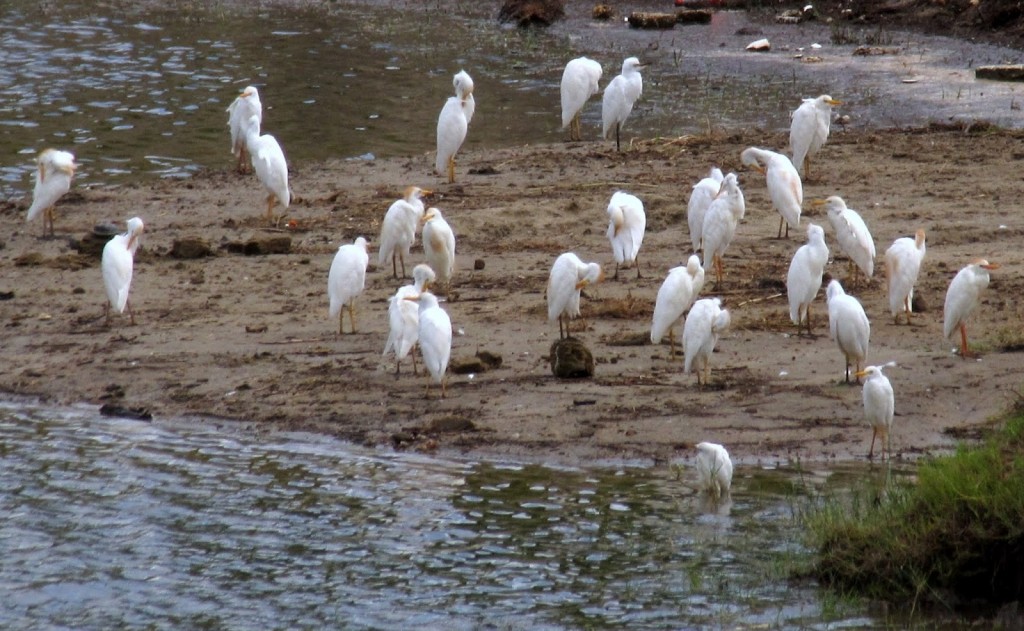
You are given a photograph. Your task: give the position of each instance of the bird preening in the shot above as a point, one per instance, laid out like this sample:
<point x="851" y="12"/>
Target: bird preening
<point x="118" y="264"/>
<point x="54" y="170"/>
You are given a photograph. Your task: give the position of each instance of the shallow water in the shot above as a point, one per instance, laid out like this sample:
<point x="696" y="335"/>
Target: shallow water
<point x="139" y="92"/>
<point x="121" y="524"/>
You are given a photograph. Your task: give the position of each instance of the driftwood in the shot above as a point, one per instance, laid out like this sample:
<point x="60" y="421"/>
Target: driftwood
<point x="649" y="20"/>
<point x="1013" y="72"/>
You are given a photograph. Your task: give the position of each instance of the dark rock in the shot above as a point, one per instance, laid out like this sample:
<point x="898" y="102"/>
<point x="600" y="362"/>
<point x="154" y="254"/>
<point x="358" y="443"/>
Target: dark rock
<point x="694" y="16"/>
<point x="479" y="264"/>
<point x="489" y="359"/>
<point x="919" y="304"/>
<point x="603" y="12"/>
<point x="466" y="365"/>
<point x="645" y="19"/>
<point x="571" y="359"/>
<point x="530" y="12"/>
<point x="259" y="247"/>
<point x="120" y="411"/>
<point x="29" y="259"/>
<point x="451" y="424"/>
<point x="92" y="243"/>
<point x="191" y="248"/>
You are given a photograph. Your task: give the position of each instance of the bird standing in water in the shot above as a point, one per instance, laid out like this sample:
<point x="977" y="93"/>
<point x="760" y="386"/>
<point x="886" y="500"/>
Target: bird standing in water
<point x="579" y="83"/>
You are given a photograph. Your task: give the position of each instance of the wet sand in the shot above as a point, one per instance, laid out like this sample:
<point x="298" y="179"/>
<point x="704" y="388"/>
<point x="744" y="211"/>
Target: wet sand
<point x="247" y="337"/>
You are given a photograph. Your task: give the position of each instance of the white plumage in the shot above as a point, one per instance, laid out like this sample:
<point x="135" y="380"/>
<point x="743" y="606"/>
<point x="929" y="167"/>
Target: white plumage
<point x="435" y="339"/>
<point x="398" y="230"/>
<point x="963" y="297"/>
<point x="626" y="225"/>
<point x="879" y="406"/>
<point x="439" y="247"/>
<point x="852" y="234"/>
<point x="706" y="321"/>
<point x="463" y="84"/>
<point x="720" y="222"/>
<point x="619" y="96"/>
<point x="784" y="186"/>
<point x="242" y="109"/>
<point x="902" y="266"/>
<point x="677" y="293"/>
<point x="452" y="125"/>
<point x="404" y="317"/>
<point x="118" y="266"/>
<point x="714" y="469"/>
<point x="579" y="82"/>
<point x="848" y="325"/>
<point x="54" y="170"/>
<point x="809" y="130"/>
<point x="270" y="165"/>
<point x="804" y="277"/>
<point x="569" y="275"/>
<point x="346" y="280"/>
<point x="704" y="192"/>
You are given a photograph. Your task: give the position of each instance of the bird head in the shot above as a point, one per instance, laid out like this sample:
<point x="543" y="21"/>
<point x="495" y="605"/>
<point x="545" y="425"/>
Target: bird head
<point x="984" y="264"/>
<point x="430" y="214"/>
<point x="829" y="100"/>
<point x="919" y="238"/>
<point x="750" y="159"/>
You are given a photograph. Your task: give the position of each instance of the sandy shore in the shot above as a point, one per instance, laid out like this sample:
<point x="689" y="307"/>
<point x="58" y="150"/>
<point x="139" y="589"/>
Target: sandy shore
<point x="247" y="336"/>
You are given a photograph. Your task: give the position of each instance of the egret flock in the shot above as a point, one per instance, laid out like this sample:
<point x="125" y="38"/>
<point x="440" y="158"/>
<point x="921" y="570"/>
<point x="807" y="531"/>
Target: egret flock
<point x="715" y="208"/>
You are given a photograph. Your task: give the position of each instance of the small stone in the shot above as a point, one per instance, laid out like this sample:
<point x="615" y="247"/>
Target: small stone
<point x="478" y="264"/>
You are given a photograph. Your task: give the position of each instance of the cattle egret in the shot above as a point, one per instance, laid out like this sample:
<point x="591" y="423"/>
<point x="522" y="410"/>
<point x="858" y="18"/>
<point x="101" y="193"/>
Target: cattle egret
<point x="463" y="84"/>
<point x="704" y="192"/>
<point x="848" y="325"/>
<point x="117" y="265"/>
<point x="809" y="130"/>
<point x="54" y="170"/>
<point x="706" y="321"/>
<point x="398" y="230"/>
<point x="879" y="405"/>
<point x="404" y="317"/>
<point x="676" y="295"/>
<point x="720" y="222"/>
<point x="852" y="234"/>
<point x="579" y="83"/>
<point x="626" y="225"/>
<point x="784" y="186"/>
<point x="569" y="275"/>
<point x="241" y="110"/>
<point x="346" y="281"/>
<point x="270" y="165"/>
<point x="439" y="247"/>
<point x="902" y="265"/>
<point x="963" y="297"/>
<point x="619" y="96"/>
<point x="804" y="277"/>
<point x="714" y="468"/>
<point x="435" y="339"/>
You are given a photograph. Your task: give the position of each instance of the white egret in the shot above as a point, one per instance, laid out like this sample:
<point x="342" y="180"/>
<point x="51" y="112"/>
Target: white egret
<point x="270" y="165"/>
<point x="720" y="222"/>
<point x="879" y="406"/>
<point x="346" y="281"/>
<point x="404" y="317"/>
<point x="626" y="225"/>
<point x="784" y="186"/>
<point x="676" y="295"/>
<point x="463" y="84"/>
<point x="452" y="125"/>
<point x="963" y="297"/>
<point x="706" y="321"/>
<point x="809" y="130"/>
<point x="569" y="275"/>
<point x="902" y="265"/>
<point x="804" y="277"/>
<point x="54" y="170"/>
<point x="435" y="339"/>
<point x="118" y="265"/>
<point x="439" y="247"/>
<point x="398" y="230"/>
<point x="579" y="83"/>
<point x="241" y="110"/>
<point x="852" y="234"/>
<point x="619" y="96"/>
<point x="714" y="468"/>
<point x="704" y="192"/>
<point x="848" y="325"/>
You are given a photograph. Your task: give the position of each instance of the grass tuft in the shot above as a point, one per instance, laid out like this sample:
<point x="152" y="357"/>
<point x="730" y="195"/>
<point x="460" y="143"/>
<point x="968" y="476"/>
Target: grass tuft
<point x="956" y="536"/>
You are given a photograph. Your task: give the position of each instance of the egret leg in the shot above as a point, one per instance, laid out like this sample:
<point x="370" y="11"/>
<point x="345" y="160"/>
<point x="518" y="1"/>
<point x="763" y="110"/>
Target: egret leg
<point x="401" y="257"/>
<point x="561" y="335"/>
<point x="707" y="372"/>
<point x="636" y="261"/>
<point x="412" y="353"/>
<point x="131" y="314"/>
<point x="617" y="147"/>
<point x="48" y="220"/>
<point x="394" y="267"/>
<point x="671" y="344"/>
<point x="906" y="309"/>
<point x="341" y="321"/>
<point x="444" y="387"/>
<point x="781" y="219"/>
<point x="616" y="277"/>
<point x="270" y="206"/>
<point x="847" y="370"/>
<point x="451" y="170"/>
<point x="963" y="341"/>
<point x="574" y="127"/>
<point x="871" y="452"/>
<point x="352" y="314"/>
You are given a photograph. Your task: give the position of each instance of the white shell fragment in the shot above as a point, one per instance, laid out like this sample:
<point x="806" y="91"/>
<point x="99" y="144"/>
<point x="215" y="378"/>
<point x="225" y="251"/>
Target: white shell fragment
<point x="760" y="46"/>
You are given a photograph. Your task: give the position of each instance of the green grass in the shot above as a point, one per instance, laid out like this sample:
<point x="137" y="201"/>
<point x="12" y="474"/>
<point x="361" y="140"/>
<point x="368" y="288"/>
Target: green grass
<point x="956" y="536"/>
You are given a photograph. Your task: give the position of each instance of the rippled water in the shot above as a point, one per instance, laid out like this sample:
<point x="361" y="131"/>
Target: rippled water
<point x="112" y="524"/>
<point x="141" y="91"/>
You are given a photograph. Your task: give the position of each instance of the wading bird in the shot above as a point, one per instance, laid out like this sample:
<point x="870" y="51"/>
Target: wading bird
<point x="784" y="186"/>
<point x="879" y="405"/>
<point x="902" y="265"/>
<point x="962" y="298"/>
<point x="720" y="222"/>
<point x="398" y="230"/>
<point x="118" y="265"/>
<point x="626" y="225"/>
<point x="435" y="339"/>
<point x="241" y="110"/>
<point x="619" y="96"/>
<point x="452" y="125"/>
<point x="439" y="247"/>
<point x="809" y="130"/>
<point x="270" y="165"/>
<point x="706" y="321"/>
<point x="404" y="317"/>
<point x="54" y="170"/>
<point x="569" y="275"/>
<point x="676" y="295"/>
<point x="714" y="469"/>
<point x="852" y="234"/>
<point x="346" y="281"/>
<point x="579" y="83"/>
<point x="804" y="277"/>
<point x="848" y="325"/>
<point x="704" y="192"/>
